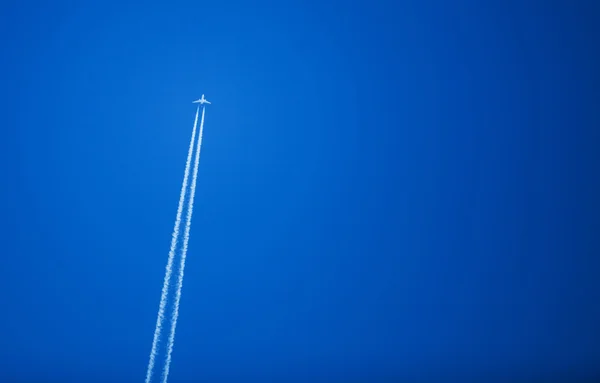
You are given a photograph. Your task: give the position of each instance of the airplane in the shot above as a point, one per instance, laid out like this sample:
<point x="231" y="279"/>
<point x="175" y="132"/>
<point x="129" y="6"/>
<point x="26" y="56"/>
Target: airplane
<point x="201" y="100"/>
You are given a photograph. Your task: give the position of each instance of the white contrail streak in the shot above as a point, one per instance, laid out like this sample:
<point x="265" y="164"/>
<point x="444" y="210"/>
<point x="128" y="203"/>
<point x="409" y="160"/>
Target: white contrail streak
<point x="186" y="239"/>
<point x="169" y="269"/>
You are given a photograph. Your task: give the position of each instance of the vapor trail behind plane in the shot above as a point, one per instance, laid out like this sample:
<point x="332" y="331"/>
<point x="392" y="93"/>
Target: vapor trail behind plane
<point x="169" y="268"/>
<point x="186" y="238"/>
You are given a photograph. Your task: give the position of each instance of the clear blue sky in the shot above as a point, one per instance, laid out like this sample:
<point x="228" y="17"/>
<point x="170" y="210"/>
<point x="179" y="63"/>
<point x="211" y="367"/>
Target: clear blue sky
<point x="388" y="191"/>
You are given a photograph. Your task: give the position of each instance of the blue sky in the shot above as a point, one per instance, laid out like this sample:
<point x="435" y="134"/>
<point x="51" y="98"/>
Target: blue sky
<point x="388" y="191"/>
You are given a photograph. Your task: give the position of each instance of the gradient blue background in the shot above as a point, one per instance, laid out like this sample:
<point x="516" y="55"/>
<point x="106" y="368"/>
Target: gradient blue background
<point x="388" y="191"/>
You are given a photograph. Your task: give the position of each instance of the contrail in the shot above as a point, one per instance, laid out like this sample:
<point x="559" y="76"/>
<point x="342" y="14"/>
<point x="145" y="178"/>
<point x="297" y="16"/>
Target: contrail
<point x="169" y="269"/>
<point x="186" y="238"/>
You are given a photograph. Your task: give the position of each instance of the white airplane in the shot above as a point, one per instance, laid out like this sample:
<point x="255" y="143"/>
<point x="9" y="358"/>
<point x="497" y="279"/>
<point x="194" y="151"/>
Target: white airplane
<point x="201" y="100"/>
